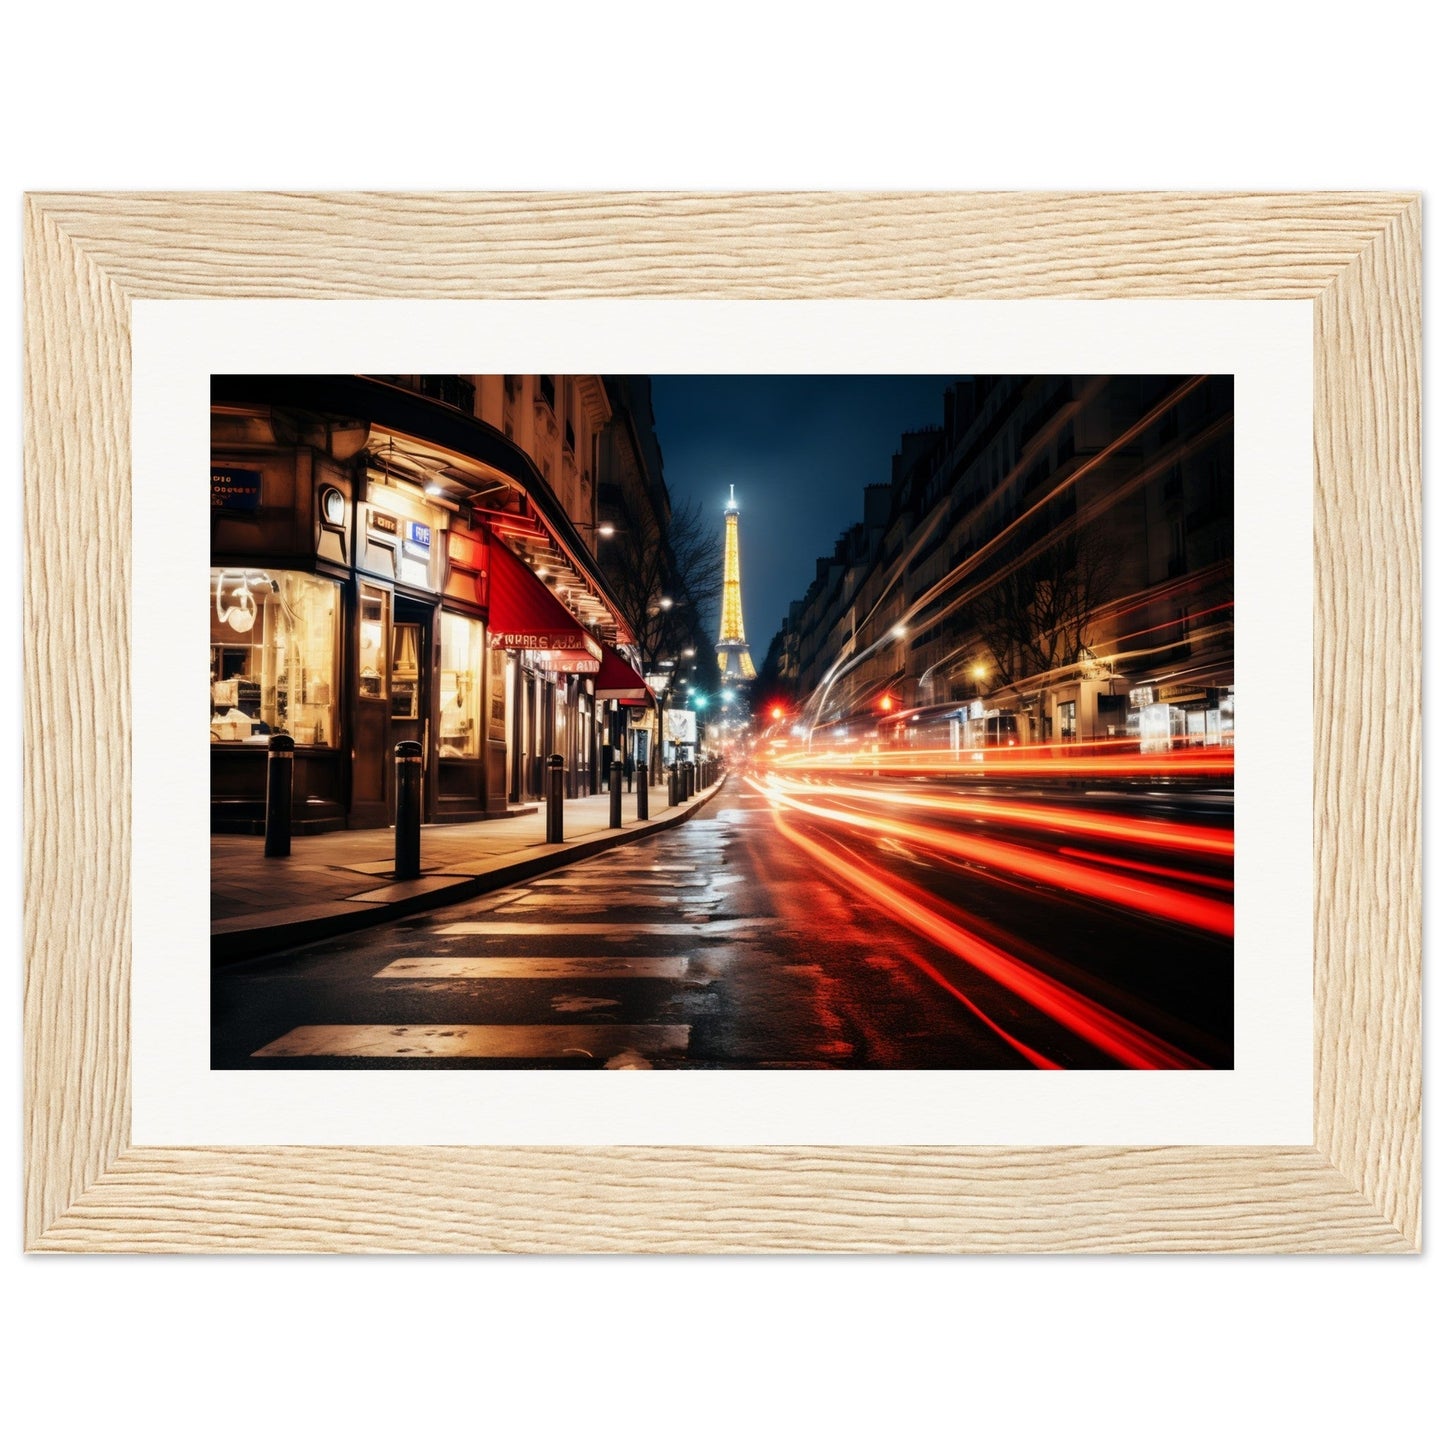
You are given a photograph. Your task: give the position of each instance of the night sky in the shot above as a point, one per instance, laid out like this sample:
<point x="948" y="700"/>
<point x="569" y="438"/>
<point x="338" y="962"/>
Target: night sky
<point x="800" y="450"/>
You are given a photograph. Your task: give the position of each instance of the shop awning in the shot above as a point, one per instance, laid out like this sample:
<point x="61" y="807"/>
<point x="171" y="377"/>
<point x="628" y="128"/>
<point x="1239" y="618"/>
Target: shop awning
<point x="618" y="679"/>
<point x="523" y="615"/>
<point x="570" y="661"/>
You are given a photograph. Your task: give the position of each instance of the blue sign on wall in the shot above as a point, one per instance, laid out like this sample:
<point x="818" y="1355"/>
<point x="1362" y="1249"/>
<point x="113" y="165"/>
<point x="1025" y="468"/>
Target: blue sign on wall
<point x="236" y="489"/>
<point x="418" y="536"/>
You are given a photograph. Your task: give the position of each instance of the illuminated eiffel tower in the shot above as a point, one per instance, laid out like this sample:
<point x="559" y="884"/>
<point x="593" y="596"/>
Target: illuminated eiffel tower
<point x="733" y="658"/>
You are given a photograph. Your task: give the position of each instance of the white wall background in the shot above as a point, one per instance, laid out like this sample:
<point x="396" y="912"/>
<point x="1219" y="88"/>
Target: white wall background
<point x="760" y="95"/>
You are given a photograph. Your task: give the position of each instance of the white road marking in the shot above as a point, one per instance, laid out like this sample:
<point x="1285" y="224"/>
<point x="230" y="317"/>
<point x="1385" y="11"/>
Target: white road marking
<point x="580" y="1003"/>
<point x="481" y="1041"/>
<point x="518" y="966"/>
<point x="612" y="930"/>
<point x="601" y="902"/>
<point x="630" y="880"/>
<point x="607" y="870"/>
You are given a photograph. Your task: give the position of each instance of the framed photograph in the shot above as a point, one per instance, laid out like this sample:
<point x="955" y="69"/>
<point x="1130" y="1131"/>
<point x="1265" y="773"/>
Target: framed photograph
<point x="1191" y="1053"/>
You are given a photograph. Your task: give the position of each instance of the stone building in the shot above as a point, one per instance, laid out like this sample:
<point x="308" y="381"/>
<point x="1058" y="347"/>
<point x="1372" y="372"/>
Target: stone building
<point x="1059" y="551"/>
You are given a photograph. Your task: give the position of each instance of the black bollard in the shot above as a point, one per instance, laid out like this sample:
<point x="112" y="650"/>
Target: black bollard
<point x="554" y="798"/>
<point x="689" y="779"/>
<point x="280" y="766"/>
<point x="408" y="810"/>
<point x="614" y="802"/>
<point x="672" y="785"/>
<point x="642" y="795"/>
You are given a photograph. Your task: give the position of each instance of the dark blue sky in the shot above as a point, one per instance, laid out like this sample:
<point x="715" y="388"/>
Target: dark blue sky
<point x="800" y="450"/>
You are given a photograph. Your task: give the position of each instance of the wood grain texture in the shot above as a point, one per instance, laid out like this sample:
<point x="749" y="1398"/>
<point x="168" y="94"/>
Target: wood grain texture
<point x="1367" y="721"/>
<point x="1357" y="256"/>
<point x="1004" y="245"/>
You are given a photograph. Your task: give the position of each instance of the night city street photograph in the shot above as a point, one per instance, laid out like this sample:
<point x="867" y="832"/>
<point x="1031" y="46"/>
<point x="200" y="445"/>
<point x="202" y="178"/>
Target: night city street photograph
<point x="722" y="722"/>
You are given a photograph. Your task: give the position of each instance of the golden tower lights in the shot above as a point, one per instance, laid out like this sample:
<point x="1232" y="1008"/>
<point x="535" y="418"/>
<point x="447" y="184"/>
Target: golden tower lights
<point x="733" y="658"/>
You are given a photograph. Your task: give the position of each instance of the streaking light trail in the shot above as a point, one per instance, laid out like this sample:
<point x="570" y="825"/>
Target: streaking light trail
<point x="1155" y="899"/>
<point x="1117" y="1037"/>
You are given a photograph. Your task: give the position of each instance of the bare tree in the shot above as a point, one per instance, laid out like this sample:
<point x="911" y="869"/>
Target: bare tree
<point x="667" y="576"/>
<point x="1035" y="617"/>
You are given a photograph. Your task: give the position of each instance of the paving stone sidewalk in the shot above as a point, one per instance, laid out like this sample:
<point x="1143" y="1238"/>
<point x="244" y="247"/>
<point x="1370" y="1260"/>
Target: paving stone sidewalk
<point x="335" y="882"/>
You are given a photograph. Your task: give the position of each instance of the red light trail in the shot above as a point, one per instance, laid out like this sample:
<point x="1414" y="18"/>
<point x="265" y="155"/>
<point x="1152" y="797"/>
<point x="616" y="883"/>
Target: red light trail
<point x="1178" y="837"/>
<point x="1154" y="899"/>
<point x="1117" y="1037"/>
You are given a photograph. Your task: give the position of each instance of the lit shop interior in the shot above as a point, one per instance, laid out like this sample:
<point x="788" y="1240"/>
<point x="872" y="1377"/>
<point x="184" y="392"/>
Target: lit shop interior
<point x="371" y="583"/>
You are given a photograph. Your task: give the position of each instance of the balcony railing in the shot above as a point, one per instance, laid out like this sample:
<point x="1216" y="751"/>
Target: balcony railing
<point x="454" y="391"/>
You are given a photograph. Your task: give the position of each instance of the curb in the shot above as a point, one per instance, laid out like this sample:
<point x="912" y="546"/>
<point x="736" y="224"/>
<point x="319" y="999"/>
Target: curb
<point x="244" y="945"/>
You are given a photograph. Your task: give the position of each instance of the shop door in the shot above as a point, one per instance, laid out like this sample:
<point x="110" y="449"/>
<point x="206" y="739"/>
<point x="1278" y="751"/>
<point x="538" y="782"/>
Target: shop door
<point x="393" y="688"/>
<point x="411" y="691"/>
<point x="370" y="784"/>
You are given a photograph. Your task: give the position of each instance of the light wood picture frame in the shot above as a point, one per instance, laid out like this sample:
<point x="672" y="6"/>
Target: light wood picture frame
<point x="1356" y="257"/>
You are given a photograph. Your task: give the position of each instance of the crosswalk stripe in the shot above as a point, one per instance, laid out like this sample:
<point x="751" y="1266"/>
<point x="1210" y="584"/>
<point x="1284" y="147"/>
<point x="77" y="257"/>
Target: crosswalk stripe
<point x="627" y="880"/>
<point x="617" y="930"/>
<point x="610" y="869"/>
<point x="520" y="966"/>
<point x="481" y="1041"/>
<point x="603" y="901"/>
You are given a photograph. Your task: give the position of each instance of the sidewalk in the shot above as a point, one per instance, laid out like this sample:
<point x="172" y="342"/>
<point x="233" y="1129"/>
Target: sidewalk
<point x="335" y="882"/>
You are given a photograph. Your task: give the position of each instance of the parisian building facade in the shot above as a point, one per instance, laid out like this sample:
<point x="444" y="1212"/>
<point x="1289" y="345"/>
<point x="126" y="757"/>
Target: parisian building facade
<point x="1058" y="554"/>
<point x="414" y="559"/>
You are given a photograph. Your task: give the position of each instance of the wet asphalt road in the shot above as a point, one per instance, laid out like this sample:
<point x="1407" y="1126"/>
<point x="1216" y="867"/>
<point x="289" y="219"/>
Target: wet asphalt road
<point x="726" y="943"/>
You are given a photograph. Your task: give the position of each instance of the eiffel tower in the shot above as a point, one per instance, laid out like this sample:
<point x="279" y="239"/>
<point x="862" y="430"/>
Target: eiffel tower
<point x="733" y="658"/>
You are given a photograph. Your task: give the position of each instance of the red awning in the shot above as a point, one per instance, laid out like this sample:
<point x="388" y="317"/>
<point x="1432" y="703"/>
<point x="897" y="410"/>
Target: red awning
<point x="618" y="678"/>
<point x="522" y="614"/>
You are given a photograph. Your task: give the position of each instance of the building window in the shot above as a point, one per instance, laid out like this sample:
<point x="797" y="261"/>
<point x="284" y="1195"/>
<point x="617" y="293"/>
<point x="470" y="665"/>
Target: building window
<point x="455" y="391"/>
<point x="1177" y="566"/>
<point x="547" y="390"/>
<point x="273" y="656"/>
<point x="461" y="686"/>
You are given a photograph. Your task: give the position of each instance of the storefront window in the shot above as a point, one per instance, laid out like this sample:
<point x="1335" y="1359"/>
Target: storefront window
<point x="273" y="656"/>
<point x="461" y="686"/>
